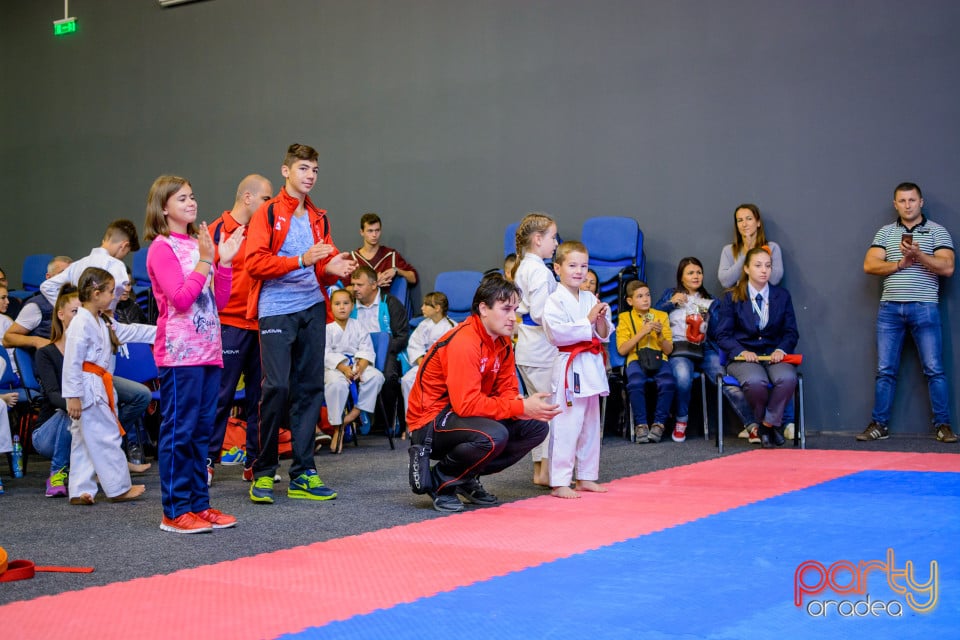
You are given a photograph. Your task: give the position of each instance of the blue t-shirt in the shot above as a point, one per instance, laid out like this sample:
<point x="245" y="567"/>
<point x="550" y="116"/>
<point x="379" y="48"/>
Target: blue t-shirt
<point x="298" y="289"/>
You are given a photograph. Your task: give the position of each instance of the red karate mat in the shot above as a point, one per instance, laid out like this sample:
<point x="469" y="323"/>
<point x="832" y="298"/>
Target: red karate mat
<point x="287" y="591"/>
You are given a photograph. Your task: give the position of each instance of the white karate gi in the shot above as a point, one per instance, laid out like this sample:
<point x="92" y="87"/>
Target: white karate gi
<point x="422" y="338"/>
<point x="534" y="353"/>
<point x="6" y="439"/>
<point x="350" y="341"/>
<point x="575" y="434"/>
<point x="96" y="447"/>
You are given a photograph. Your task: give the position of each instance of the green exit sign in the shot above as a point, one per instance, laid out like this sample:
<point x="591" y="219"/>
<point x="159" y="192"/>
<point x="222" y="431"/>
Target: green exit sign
<point x="65" y="26"/>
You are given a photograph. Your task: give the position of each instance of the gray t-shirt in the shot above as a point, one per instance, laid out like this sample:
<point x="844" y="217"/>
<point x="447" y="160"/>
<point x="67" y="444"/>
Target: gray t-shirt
<point x="298" y="289"/>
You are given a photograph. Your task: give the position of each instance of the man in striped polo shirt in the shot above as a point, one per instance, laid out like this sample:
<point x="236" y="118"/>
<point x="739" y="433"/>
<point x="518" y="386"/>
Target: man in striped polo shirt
<point x="911" y="254"/>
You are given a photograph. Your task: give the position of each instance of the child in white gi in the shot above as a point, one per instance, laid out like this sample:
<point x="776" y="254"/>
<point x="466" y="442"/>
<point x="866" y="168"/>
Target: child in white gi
<point x="578" y="324"/>
<point x="348" y="358"/>
<point x="536" y="241"/>
<point x="92" y="339"/>
<point x="435" y="324"/>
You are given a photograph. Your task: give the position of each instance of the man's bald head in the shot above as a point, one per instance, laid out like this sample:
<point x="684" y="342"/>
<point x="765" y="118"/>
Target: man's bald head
<point x="253" y="191"/>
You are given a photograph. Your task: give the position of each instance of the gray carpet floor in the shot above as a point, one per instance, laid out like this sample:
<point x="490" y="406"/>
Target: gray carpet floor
<point x="123" y="541"/>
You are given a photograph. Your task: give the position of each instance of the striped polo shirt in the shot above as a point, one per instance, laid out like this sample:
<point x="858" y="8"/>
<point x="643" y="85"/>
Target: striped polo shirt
<point x="916" y="283"/>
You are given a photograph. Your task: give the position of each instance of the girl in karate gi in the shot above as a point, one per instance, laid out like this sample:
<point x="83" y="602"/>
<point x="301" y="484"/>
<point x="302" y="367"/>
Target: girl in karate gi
<point x="536" y="240"/>
<point x="348" y="358"/>
<point x="96" y="447"/>
<point x="578" y="324"/>
<point x="435" y="324"/>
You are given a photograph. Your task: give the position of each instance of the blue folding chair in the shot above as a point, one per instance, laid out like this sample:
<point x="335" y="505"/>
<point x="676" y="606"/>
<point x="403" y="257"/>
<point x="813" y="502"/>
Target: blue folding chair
<point x="28" y="377"/>
<point x="381" y="347"/>
<point x="400" y="289"/>
<point x="34" y="273"/>
<point x="135" y="362"/>
<point x="459" y="286"/>
<point x="799" y="433"/>
<point x="615" y="245"/>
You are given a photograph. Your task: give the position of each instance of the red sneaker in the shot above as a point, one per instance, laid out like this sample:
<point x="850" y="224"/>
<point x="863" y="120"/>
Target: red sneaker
<point x="679" y="432"/>
<point x="186" y="523"/>
<point x="217" y="518"/>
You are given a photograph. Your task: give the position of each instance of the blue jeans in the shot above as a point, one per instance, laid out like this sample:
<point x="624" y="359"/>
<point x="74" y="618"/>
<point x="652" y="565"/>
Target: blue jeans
<point x="52" y="440"/>
<point x="637" y="379"/>
<point x="133" y="399"/>
<point x="922" y="319"/>
<point x="683" y="370"/>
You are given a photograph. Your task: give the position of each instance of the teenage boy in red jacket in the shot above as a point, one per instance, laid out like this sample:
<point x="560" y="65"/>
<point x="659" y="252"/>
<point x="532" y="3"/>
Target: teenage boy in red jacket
<point x="466" y="392"/>
<point x="291" y="259"/>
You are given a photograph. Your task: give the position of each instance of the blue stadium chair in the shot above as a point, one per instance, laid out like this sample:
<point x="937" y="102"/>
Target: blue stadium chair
<point x="28" y="377"/>
<point x="799" y="433"/>
<point x="459" y="286"/>
<point x="615" y="245"/>
<point x="510" y="239"/>
<point x="381" y="346"/>
<point x="400" y="289"/>
<point x="34" y="273"/>
<point x="135" y="362"/>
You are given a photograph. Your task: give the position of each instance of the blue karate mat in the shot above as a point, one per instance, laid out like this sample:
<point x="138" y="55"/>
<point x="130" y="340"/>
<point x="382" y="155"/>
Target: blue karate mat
<point x="730" y="575"/>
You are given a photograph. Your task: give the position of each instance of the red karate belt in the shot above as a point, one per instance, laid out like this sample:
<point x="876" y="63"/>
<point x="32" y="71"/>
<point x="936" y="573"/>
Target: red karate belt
<point x="92" y="367"/>
<point x="593" y="346"/>
<point x="25" y="569"/>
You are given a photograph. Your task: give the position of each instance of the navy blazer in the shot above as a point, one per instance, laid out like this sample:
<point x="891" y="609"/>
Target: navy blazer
<point x="737" y="330"/>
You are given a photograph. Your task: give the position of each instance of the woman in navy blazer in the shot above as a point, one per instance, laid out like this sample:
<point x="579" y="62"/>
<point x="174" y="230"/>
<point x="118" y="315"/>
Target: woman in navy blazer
<point x="756" y="319"/>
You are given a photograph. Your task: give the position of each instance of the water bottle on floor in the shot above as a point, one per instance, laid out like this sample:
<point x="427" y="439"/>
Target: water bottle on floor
<point x="17" y="456"/>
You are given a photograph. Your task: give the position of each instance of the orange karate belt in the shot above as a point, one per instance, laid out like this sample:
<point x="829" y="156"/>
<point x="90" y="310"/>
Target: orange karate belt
<point x="593" y="346"/>
<point x="25" y="569"/>
<point x="92" y="367"/>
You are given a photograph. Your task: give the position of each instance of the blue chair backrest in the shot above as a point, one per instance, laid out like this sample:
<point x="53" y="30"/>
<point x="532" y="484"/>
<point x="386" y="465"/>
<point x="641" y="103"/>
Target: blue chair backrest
<point x="35" y="270"/>
<point x="399" y="289"/>
<point x="25" y="366"/>
<point x="140" y="276"/>
<point x="381" y="345"/>
<point x="137" y="364"/>
<point x="459" y="286"/>
<point x="614" y="242"/>
<point x="510" y="239"/>
<point x="9" y="379"/>
<point x="616" y="360"/>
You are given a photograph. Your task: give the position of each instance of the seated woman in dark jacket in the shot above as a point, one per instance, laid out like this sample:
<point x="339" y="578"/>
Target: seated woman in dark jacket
<point x="755" y="320"/>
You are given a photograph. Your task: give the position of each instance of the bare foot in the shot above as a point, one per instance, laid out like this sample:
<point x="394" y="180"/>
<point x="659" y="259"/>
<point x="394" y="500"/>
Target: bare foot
<point x="564" y="492"/>
<point x="82" y="499"/>
<point x="132" y="493"/>
<point x="590" y="485"/>
<point x="351" y="415"/>
<point x="139" y="468"/>
<point x="541" y="474"/>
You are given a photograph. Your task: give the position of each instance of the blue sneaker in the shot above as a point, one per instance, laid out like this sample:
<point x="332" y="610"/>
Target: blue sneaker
<point x="261" y="491"/>
<point x="309" y="486"/>
<point x="364" y="423"/>
<point x="235" y="455"/>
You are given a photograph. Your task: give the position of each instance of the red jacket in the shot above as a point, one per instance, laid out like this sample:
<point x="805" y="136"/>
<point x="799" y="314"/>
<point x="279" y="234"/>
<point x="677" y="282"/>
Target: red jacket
<point x="469" y="370"/>
<point x="264" y="241"/>
<point x="235" y="313"/>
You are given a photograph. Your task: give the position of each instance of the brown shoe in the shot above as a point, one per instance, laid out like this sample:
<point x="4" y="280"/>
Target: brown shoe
<point x="641" y="434"/>
<point x="944" y="434"/>
<point x="656" y="432"/>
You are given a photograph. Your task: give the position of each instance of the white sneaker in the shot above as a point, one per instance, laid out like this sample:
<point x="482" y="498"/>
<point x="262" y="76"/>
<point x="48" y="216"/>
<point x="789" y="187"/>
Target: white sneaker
<point x="753" y="434"/>
<point x="788" y="431"/>
<point x="745" y="433"/>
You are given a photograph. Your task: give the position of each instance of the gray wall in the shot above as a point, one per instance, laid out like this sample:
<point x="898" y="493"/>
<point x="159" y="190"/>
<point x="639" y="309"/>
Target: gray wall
<point x="453" y="118"/>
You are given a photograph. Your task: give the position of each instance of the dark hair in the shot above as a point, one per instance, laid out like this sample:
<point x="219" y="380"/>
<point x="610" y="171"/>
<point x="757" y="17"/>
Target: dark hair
<point x="493" y="288"/>
<point x="364" y="270"/>
<point x="739" y="291"/>
<point x="95" y="279"/>
<point x="369" y="218"/>
<point x="684" y="263"/>
<point x="125" y="228"/>
<point x="633" y="285"/>
<point x="737" y="240"/>
<point x="907" y="186"/>
<point x="299" y="152"/>
<point x="67" y="293"/>
<point x="346" y="292"/>
<point x="437" y="299"/>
